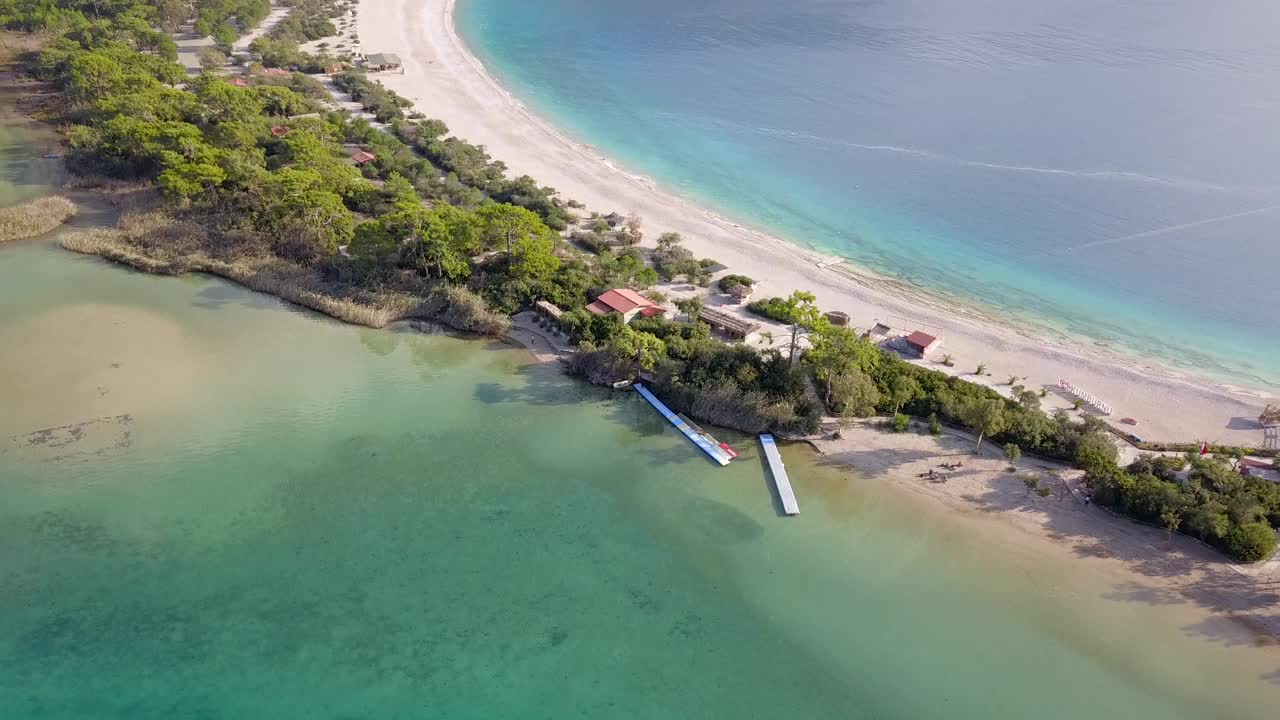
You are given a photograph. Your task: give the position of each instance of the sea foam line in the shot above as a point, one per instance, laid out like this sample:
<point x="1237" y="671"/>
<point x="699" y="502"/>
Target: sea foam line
<point x="1123" y="175"/>
<point x="1174" y="228"/>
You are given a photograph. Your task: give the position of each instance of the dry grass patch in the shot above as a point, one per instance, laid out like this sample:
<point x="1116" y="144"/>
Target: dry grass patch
<point x="35" y="217"/>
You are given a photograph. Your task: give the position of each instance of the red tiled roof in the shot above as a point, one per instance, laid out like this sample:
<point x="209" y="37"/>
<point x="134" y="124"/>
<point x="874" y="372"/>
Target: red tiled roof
<point x="362" y="157"/>
<point x="921" y="340"/>
<point x="279" y="130"/>
<point x="276" y="72"/>
<point x="620" y="300"/>
<point x="238" y="81"/>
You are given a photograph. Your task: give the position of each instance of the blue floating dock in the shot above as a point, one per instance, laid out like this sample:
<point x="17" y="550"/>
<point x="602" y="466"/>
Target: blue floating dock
<point x="779" y="472"/>
<point x="698" y="439"/>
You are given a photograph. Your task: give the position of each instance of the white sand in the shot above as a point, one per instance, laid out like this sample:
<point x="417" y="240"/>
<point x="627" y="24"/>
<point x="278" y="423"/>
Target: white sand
<point x="1144" y="561"/>
<point x="447" y="82"/>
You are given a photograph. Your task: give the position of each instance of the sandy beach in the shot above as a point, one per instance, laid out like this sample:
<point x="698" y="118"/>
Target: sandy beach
<point x="446" y="81"/>
<point x="1144" y="563"/>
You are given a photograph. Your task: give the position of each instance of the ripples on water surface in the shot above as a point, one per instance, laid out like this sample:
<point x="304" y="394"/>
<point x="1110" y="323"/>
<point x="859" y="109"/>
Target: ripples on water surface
<point x="1107" y="170"/>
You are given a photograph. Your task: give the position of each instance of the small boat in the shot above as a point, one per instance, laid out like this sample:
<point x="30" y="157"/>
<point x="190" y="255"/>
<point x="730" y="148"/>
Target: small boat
<point x="708" y="436"/>
<point x="621" y="384"/>
<point x="1128" y="421"/>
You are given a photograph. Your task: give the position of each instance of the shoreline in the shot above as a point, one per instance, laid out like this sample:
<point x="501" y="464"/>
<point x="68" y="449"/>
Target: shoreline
<point x="1180" y="567"/>
<point x="447" y="81"/>
<point x="846" y="269"/>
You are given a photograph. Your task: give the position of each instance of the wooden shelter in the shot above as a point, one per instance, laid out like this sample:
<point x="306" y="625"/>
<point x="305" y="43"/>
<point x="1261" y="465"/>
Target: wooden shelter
<point x="548" y="309"/>
<point x="731" y="325"/>
<point x="381" y="62"/>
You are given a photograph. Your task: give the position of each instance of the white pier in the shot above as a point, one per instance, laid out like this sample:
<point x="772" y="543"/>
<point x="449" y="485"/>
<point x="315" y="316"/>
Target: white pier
<point x="779" y="471"/>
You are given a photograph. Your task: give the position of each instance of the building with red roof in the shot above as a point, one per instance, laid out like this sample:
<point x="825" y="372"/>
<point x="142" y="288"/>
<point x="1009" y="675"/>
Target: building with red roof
<point x="362" y="156"/>
<point x="627" y="303"/>
<point x="921" y="342"/>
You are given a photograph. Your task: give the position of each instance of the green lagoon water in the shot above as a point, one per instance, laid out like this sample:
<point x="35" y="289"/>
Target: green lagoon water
<point x="244" y="510"/>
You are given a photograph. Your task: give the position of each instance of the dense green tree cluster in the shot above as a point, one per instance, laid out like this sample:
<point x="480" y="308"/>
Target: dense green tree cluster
<point x="124" y="24"/>
<point x="241" y="159"/>
<point x="1208" y="497"/>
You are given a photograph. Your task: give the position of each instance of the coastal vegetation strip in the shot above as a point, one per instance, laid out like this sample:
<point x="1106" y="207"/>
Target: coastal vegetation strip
<point x="34" y="217"/>
<point x="259" y="182"/>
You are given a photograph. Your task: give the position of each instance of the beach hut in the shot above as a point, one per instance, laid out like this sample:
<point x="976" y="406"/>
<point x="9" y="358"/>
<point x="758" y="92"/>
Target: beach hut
<point x="627" y="303"/>
<point x="920" y="343"/>
<point x="361" y="157"/>
<point x="382" y="62"/>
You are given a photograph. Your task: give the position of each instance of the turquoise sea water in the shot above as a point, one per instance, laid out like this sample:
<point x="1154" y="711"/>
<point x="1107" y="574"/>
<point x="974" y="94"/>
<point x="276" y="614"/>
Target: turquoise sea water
<point x="216" y="506"/>
<point x="1104" y="170"/>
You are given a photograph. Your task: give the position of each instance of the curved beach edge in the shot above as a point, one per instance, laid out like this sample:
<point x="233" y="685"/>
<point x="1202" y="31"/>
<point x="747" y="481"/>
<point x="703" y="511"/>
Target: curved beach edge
<point x="446" y="80"/>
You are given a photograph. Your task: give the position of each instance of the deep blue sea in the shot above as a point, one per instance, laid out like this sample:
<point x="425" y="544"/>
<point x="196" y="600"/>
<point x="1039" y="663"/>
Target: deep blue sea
<point x="1105" y="169"/>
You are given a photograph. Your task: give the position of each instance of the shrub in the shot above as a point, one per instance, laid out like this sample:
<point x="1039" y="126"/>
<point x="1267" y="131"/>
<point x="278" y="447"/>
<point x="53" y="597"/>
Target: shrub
<point x="590" y="240"/>
<point x="901" y="422"/>
<point x="1251" y="542"/>
<point x="466" y="310"/>
<point x="211" y="57"/>
<point x="774" y="308"/>
<point x="1012" y="452"/>
<point x="935" y="427"/>
<point x="729" y="282"/>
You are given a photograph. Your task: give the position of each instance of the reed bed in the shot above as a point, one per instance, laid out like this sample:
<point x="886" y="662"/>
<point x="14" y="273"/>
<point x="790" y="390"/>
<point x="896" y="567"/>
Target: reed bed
<point x="34" y="217"/>
<point x="298" y="285"/>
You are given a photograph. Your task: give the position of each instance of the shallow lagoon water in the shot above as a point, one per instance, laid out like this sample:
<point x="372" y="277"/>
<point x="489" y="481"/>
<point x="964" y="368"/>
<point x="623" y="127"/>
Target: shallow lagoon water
<point x="216" y="505"/>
